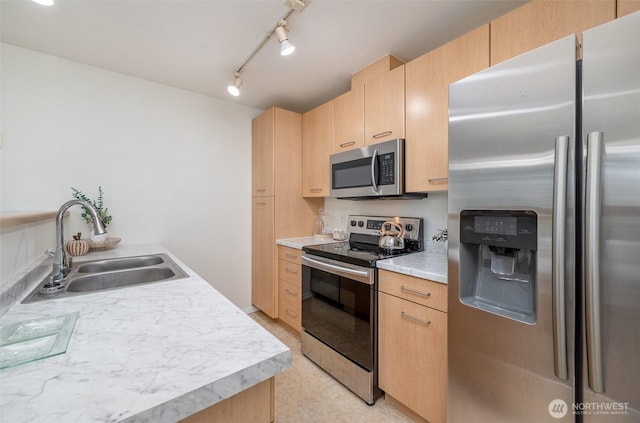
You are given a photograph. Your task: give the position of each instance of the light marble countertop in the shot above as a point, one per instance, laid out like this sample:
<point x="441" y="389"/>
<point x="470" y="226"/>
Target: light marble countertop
<point x="298" y="243"/>
<point x="148" y="353"/>
<point x="425" y="265"/>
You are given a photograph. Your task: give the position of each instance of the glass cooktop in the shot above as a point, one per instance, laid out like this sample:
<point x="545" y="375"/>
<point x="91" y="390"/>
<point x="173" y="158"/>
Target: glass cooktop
<point x="353" y="252"/>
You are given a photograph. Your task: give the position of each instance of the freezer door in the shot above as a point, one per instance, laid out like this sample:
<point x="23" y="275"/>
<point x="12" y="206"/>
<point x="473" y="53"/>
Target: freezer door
<point x="611" y="130"/>
<point x="511" y="136"/>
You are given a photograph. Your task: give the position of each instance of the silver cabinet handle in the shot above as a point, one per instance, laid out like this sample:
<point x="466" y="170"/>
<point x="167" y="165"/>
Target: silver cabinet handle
<point x="261" y="203"/>
<point x="438" y="179"/>
<point x="374" y="164"/>
<point x="592" y="261"/>
<point x="293" y="256"/>
<point x="316" y="189"/>
<point x="290" y="292"/>
<point x="290" y="271"/>
<point x="422" y="322"/>
<point x="382" y="134"/>
<point x="558" y="263"/>
<point x="415" y="291"/>
<point x="290" y="313"/>
<point x="347" y="144"/>
<point x="261" y="190"/>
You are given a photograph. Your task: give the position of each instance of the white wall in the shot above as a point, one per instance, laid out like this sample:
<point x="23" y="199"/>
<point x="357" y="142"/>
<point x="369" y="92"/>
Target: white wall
<point x="175" y="166"/>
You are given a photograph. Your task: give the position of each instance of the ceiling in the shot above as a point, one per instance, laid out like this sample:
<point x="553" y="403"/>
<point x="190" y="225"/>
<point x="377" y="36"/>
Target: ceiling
<point x="197" y="45"/>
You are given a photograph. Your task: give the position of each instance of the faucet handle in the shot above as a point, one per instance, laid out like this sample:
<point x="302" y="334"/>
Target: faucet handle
<point x="49" y="253"/>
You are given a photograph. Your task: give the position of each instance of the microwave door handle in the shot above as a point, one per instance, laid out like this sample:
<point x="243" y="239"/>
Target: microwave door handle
<point x="374" y="168"/>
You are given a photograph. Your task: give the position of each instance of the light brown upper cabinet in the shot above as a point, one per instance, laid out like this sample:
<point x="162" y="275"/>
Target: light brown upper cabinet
<point x="624" y="7"/>
<point x="348" y="120"/>
<point x="262" y="142"/>
<point x="317" y="145"/>
<point x="542" y="21"/>
<point x="427" y="79"/>
<point x="384" y="107"/>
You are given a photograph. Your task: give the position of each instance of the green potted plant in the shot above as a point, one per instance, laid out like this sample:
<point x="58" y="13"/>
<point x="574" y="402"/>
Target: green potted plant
<point x="103" y="213"/>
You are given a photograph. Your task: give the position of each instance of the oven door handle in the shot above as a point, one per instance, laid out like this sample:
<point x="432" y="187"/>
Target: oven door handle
<point x="332" y="267"/>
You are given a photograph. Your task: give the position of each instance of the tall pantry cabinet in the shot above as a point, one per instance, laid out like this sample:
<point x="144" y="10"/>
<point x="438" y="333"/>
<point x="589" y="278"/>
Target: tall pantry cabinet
<point x="277" y="207"/>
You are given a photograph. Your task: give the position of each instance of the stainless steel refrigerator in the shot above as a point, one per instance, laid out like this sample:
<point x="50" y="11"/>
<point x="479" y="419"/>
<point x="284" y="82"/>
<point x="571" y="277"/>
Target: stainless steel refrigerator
<point x="544" y="234"/>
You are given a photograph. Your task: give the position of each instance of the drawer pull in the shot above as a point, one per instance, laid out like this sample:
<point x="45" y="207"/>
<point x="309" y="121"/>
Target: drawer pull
<point x="262" y="203"/>
<point x="316" y="189"/>
<point x="422" y="322"/>
<point x="415" y="291"/>
<point x="292" y="256"/>
<point x="261" y="190"/>
<point x="290" y="271"/>
<point x="347" y="144"/>
<point x="382" y="134"/>
<point x="438" y="179"/>
<point x="290" y="292"/>
<point x="290" y="313"/>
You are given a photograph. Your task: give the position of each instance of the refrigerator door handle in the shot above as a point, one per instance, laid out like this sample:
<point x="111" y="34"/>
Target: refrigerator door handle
<point x="558" y="261"/>
<point x="592" y="261"/>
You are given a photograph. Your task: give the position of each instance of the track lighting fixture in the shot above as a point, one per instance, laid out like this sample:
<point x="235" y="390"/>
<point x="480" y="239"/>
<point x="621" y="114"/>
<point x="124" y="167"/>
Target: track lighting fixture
<point x="286" y="48"/>
<point x="234" y="89"/>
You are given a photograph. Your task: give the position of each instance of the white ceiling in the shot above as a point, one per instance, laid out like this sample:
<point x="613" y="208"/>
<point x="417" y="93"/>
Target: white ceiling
<point x="197" y="45"/>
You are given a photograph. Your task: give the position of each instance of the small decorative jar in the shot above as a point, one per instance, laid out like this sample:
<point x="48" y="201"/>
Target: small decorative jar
<point x="77" y="246"/>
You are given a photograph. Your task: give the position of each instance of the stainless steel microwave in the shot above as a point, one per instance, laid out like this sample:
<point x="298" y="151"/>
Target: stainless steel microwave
<point x="374" y="171"/>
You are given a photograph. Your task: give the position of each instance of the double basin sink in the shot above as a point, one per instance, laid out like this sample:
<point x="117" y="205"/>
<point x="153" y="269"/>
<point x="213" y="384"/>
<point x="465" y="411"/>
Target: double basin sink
<point x="100" y="275"/>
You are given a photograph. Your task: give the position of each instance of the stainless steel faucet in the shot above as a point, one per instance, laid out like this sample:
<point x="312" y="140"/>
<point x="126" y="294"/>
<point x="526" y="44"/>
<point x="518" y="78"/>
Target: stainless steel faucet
<point x="60" y="264"/>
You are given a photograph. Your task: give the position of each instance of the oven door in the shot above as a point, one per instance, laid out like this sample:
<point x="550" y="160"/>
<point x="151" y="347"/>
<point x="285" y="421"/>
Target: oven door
<point x="339" y="307"/>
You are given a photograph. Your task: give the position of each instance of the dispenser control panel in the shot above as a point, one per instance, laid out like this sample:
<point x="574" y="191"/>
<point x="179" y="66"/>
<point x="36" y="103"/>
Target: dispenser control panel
<point x="500" y="228"/>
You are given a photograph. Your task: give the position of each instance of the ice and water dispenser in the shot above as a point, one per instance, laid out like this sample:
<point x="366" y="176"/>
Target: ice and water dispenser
<point x="498" y="262"/>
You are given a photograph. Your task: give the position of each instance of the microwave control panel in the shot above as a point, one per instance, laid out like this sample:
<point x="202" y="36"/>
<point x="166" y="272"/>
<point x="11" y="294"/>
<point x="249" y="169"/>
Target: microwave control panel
<point x="386" y="164"/>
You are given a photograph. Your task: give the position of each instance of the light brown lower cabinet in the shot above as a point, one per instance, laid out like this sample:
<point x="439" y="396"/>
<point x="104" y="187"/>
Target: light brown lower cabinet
<point x="255" y="405"/>
<point x="290" y="287"/>
<point x="413" y="352"/>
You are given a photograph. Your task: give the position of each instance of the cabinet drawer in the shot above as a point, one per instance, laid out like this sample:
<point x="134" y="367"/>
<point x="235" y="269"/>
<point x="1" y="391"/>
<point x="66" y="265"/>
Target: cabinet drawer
<point x="289" y="272"/>
<point x="290" y="305"/>
<point x="289" y="254"/>
<point x="289" y="292"/>
<point x="421" y="291"/>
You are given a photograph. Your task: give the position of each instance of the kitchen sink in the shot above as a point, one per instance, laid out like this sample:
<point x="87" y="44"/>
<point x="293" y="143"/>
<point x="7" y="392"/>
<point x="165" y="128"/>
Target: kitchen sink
<point x="103" y="275"/>
<point x="120" y="264"/>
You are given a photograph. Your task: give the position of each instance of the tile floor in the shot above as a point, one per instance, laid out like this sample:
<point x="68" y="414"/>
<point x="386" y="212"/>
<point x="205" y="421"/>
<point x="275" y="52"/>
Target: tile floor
<point x="305" y="393"/>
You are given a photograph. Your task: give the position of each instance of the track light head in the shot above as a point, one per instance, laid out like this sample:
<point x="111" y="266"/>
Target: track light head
<point x="234" y="89"/>
<point x="286" y="48"/>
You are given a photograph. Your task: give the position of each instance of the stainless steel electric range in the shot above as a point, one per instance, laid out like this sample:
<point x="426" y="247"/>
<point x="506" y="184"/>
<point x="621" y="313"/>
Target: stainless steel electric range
<point x="340" y="304"/>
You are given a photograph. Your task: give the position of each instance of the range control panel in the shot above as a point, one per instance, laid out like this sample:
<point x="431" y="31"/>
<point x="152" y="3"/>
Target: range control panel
<point x="372" y="225"/>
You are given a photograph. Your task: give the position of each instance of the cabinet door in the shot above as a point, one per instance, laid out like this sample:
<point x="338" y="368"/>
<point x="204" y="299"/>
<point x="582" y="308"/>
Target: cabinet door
<point x="625" y="7"/>
<point x="542" y="21"/>
<point x="263" y="285"/>
<point x="413" y="356"/>
<point x="348" y="117"/>
<point x="262" y="143"/>
<point x="317" y="145"/>
<point x="384" y="107"/>
<point x="427" y="79"/>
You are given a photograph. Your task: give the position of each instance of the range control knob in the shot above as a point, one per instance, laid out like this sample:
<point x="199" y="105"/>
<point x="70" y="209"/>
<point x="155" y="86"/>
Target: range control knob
<point x="360" y="224"/>
<point x="408" y="227"/>
<point x="387" y="227"/>
<point x="353" y="223"/>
